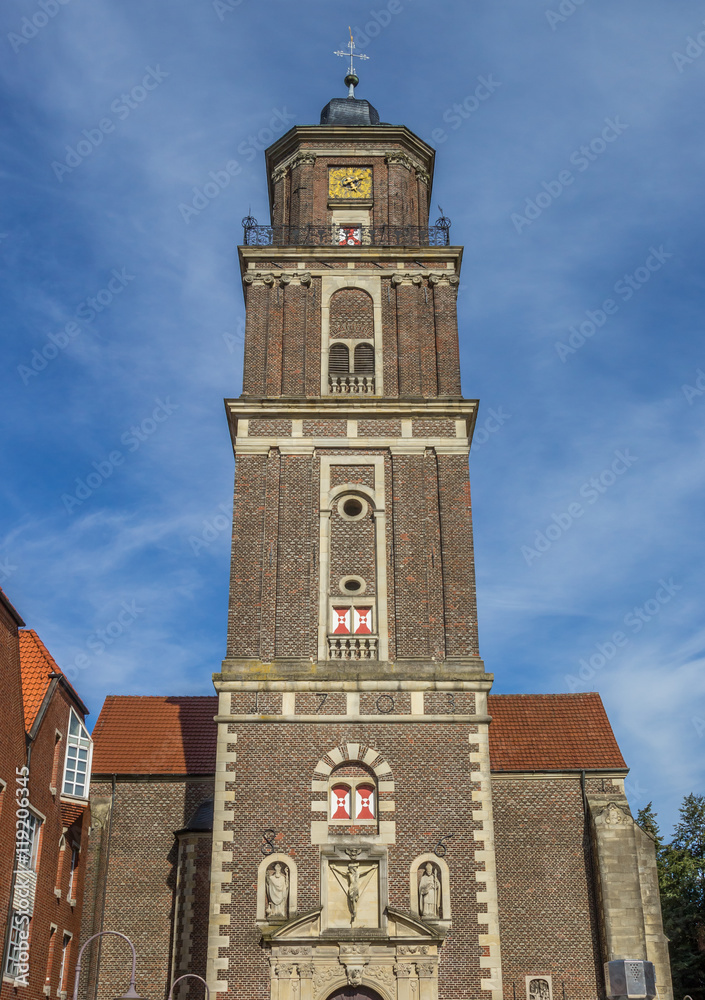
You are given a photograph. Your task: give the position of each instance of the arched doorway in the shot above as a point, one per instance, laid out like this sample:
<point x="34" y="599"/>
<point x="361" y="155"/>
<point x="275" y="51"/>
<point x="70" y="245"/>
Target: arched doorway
<point x="355" y="993"/>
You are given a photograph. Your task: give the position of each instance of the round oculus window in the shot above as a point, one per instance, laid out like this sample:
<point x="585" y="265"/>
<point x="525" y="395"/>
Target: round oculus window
<point x="352" y="508"/>
<point x="352" y="585"/>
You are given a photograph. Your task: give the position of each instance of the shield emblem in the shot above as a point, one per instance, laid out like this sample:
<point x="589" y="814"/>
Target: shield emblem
<point x="349" y="236"/>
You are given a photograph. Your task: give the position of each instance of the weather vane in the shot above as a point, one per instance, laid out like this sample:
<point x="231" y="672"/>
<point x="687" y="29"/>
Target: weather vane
<point x="351" y="79"/>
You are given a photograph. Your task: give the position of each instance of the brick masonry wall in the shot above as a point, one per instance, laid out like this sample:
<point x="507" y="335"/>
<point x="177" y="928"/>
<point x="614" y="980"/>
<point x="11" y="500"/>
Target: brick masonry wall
<point x="324" y="428"/>
<point x="351" y="314"/>
<point x="433" y="794"/>
<point x="400" y="198"/>
<point x="352" y="551"/>
<point x="379" y="428"/>
<point x="246" y="562"/>
<point x="12" y="756"/>
<point x="139" y="899"/>
<point x="545" y="887"/>
<point x="53" y="865"/>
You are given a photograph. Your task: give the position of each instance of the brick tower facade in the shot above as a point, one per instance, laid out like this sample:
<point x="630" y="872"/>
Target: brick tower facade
<point x="352" y="784"/>
<point x="355" y="814"/>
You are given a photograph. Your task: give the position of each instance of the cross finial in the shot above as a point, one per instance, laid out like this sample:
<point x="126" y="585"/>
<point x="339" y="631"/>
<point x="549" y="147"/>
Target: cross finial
<point x="351" y="79"/>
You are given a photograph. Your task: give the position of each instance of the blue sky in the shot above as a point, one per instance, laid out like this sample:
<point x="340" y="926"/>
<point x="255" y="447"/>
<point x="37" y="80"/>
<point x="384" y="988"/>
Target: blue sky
<point x="576" y="188"/>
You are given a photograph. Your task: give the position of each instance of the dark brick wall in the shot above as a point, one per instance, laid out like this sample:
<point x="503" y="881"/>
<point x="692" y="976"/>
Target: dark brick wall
<point x="141" y="884"/>
<point x="431" y="590"/>
<point x="12" y="756"/>
<point x="434" y="784"/>
<point x="545" y="886"/>
<point x="53" y="865"/>
<point x="400" y="198"/>
<point x="351" y="314"/>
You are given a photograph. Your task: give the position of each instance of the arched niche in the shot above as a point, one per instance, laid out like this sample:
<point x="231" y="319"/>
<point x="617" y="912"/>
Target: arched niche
<point x="265" y="866"/>
<point x="443" y="874"/>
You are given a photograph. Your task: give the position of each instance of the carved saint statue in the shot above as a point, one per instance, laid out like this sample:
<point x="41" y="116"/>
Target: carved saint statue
<point x="429" y="893"/>
<point x="277" y="882"/>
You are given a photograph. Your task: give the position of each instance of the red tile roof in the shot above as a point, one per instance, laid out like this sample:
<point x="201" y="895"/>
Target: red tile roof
<point x="155" y="735"/>
<point x="36" y="663"/>
<point x="538" y="732"/>
<point x="151" y="735"/>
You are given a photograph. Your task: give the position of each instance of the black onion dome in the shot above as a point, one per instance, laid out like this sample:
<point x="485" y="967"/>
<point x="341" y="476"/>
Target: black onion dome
<point x="349" y="111"/>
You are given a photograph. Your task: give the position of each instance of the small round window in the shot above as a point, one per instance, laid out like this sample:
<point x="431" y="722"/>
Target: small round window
<point x="352" y="508"/>
<point x="352" y="585"/>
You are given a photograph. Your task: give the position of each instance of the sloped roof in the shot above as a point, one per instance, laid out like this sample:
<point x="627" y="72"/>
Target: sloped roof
<point x="7" y="604"/>
<point x="538" y="732"/>
<point x="156" y="735"/>
<point x="36" y="663"/>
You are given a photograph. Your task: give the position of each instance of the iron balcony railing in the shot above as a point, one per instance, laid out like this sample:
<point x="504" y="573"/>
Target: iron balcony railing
<point x="326" y="234"/>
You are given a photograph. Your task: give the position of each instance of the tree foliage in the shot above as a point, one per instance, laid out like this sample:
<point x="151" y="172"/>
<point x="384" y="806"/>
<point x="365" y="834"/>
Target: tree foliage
<point x="681" y="874"/>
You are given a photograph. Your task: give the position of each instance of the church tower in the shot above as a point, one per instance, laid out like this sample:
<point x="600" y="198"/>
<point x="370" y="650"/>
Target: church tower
<point x="352" y="787"/>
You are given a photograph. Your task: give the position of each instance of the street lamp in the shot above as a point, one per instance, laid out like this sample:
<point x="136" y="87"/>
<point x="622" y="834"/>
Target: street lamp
<point x="132" y="993"/>
<point x="189" y="975"/>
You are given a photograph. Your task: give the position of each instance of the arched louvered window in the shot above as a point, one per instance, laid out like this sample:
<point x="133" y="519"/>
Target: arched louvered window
<point x="339" y="360"/>
<point x="364" y="359"/>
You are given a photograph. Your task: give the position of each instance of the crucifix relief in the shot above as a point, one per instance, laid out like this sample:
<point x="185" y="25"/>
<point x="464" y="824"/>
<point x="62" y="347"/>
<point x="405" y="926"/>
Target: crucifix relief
<point x="353" y="893"/>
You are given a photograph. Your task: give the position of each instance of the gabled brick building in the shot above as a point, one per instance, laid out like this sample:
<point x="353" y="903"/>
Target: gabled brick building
<point x="45" y="755"/>
<point x="363" y="819"/>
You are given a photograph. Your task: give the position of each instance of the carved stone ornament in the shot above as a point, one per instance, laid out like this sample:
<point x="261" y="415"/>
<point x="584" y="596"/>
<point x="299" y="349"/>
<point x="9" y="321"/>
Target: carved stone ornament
<point x="425" y="969"/>
<point x="295" y="951"/>
<point x="354" y="974"/>
<point x="539" y="989"/>
<point x="614" y="815"/>
<point x="284" y="971"/>
<point x="402" y="970"/>
<point x="382" y="973"/>
<point x="413" y="949"/>
<point x="424" y="177"/>
<point x="405" y="161"/>
<point x="326" y="974"/>
<point x="296" y="161"/>
<point x="353" y="949"/>
<point x="282" y="278"/>
<point x="307" y="971"/>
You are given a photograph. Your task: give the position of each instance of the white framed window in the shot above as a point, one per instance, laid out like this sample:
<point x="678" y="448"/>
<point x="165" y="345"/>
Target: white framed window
<point x="64" y="970"/>
<point x="17" y="946"/>
<point x="77" y="767"/>
<point x="352" y="797"/>
<point x="28" y="834"/>
<point x="75" y="855"/>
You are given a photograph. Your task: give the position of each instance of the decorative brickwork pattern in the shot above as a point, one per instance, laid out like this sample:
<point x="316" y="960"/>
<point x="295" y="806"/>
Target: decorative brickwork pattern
<point x="325" y="428"/>
<point x="269" y="428"/>
<point x="351" y="314"/>
<point x="359" y="475"/>
<point x="379" y="428"/>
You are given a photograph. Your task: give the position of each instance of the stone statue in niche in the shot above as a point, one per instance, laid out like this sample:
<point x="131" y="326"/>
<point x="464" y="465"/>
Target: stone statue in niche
<point x="429" y="893"/>
<point x="277" y="883"/>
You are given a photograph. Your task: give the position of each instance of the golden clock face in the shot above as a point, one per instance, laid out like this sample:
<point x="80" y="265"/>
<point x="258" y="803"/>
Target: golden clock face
<point x="350" y="182"/>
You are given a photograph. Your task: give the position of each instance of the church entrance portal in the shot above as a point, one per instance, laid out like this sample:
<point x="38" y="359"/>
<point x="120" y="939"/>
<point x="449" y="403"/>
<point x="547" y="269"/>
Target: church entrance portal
<point x="355" y="993"/>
